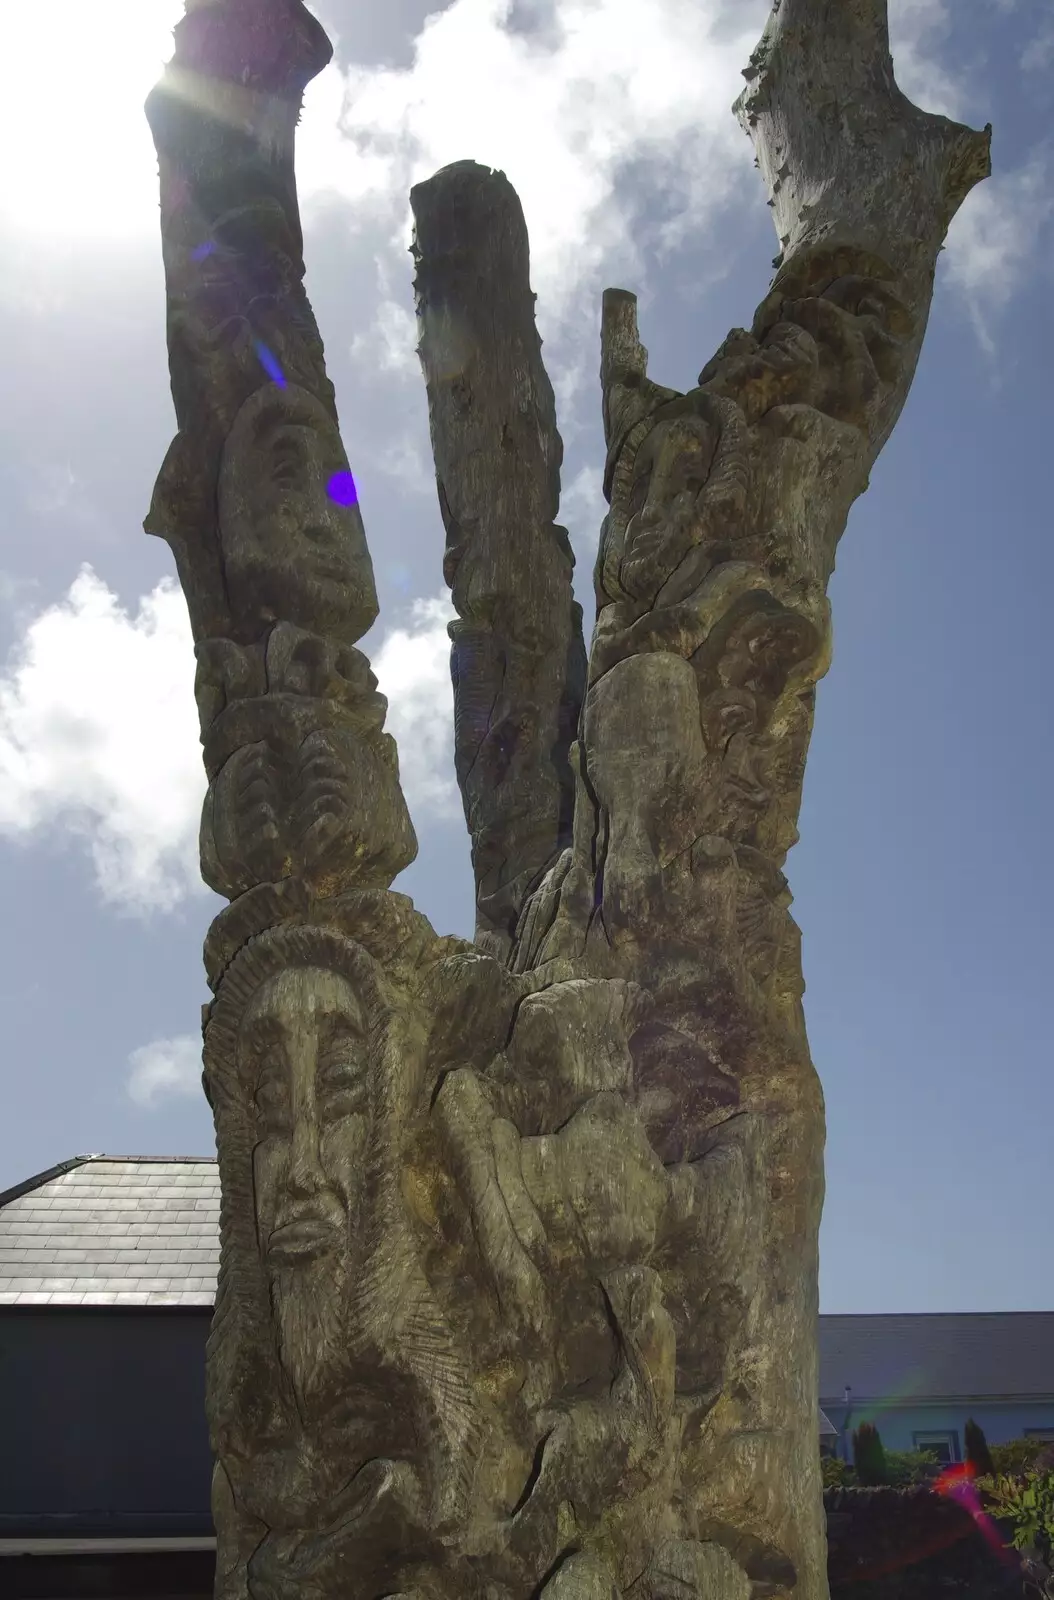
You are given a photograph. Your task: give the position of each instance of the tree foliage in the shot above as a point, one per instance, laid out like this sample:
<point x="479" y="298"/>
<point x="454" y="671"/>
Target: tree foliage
<point x="1016" y="1456"/>
<point x="869" y="1456"/>
<point x="1027" y="1504"/>
<point x="978" y="1455"/>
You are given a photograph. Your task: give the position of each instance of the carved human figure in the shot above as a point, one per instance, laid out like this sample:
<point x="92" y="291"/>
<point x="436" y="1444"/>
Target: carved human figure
<point x="294" y="1052"/>
<point x="292" y="547"/>
<point x="303" y="1044"/>
<point x="316" y="1079"/>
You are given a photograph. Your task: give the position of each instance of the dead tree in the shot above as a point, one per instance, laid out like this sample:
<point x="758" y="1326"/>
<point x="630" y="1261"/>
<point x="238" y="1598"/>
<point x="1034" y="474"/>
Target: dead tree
<point x="518" y="1282"/>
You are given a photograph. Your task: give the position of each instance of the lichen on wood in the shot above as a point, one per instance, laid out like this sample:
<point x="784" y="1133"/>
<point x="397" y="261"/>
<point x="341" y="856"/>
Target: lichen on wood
<point x="518" y="1281"/>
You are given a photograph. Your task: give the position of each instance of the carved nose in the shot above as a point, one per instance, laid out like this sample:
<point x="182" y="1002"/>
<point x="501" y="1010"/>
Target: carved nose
<point x="304" y="1178"/>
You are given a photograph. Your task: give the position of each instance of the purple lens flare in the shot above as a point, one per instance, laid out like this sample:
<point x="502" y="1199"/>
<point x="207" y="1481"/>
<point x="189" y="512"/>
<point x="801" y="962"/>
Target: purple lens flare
<point x="341" y="488"/>
<point x="202" y="250"/>
<point x="269" y="362"/>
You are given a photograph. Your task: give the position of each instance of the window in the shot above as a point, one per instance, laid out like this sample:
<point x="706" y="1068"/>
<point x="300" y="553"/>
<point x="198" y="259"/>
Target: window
<point x="944" y="1444"/>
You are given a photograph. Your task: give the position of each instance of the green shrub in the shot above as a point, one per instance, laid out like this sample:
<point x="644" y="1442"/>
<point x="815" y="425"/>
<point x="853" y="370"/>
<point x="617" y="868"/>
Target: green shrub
<point x="869" y="1457"/>
<point x="905" y="1467"/>
<point x="978" y="1455"/>
<point x="1027" y="1503"/>
<point x="836" y="1473"/>
<point x="1016" y="1456"/>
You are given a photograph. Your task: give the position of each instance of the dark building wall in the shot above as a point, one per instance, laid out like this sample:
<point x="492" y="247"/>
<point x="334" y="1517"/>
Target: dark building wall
<point x="102" y="1420"/>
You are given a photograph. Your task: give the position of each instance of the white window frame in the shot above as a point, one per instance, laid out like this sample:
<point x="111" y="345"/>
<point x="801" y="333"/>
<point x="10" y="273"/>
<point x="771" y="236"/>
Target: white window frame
<point x="928" y="1438"/>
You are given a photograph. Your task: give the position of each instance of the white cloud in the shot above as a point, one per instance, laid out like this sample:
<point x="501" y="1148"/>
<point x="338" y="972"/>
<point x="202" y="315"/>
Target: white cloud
<point x="1038" y="54"/>
<point x="413" y="670"/>
<point x="614" y="126"/>
<point x="404" y="460"/>
<point x="616" y="109"/>
<point x="582" y="509"/>
<point x="390" y="341"/>
<point x="997" y="237"/>
<point x="613" y="82"/>
<point x="917" y="32"/>
<point x="15" y="589"/>
<point x="165" y="1069"/>
<point x="85" y="168"/>
<point x="98" y="738"/>
<point x="98" y="733"/>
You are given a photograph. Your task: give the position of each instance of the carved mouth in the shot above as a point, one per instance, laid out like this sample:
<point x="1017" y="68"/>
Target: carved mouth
<point x="301" y="1240"/>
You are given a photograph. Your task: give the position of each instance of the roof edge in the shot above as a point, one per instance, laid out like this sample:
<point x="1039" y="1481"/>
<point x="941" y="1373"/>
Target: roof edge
<point x="38" y="1179"/>
<point x="922" y="1402"/>
<point x="168" y="1161"/>
<point x="888" y="1316"/>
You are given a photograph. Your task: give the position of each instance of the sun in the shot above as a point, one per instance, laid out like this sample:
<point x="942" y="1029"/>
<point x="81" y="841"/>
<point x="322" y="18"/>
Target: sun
<point x="81" y="164"/>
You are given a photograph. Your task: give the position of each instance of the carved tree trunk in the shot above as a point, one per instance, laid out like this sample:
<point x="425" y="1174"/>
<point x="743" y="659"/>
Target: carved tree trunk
<point x="518" y="1257"/>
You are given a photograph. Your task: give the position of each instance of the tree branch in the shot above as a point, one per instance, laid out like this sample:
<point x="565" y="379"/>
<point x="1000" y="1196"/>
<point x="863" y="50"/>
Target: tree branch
<point x="848" y="160"/>
<point x="517" y="661"/>
<point x="255" y="496"/>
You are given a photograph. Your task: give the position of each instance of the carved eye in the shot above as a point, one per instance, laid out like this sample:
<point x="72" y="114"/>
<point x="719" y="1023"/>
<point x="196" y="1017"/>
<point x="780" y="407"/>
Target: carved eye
<point x="272" y="1103"/>
<point x="342" y="1072"/>
<point x="286" y="464"/>
<point x="342" y="1088"/>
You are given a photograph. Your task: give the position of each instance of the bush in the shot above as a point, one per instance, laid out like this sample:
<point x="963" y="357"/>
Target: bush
<point x="836" y="1473"/>
<point x="1027" y="1504"/>
<point x="869" y="1457"/>
<point x="905" y="1467"/>
<point x="978" y="1455"/>
<point x="1017" y="1456"/>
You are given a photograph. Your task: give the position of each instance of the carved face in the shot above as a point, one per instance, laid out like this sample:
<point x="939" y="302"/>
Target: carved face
<point x="744" y="669"/>
<point x="669" y="472"/>
<point x="289" y="549"/>
<point x="302" y="1051"/>
<point x="303" y="1044"/>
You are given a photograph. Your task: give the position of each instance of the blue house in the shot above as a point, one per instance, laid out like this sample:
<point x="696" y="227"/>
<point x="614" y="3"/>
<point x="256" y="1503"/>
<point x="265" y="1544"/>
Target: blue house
<point x="919" y="1376"/>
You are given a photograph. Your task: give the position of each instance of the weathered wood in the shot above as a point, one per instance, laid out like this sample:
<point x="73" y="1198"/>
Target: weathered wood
<point x="519" y="1240"/>
<point x="726" y="508"/>
<point x="518" y="661"/>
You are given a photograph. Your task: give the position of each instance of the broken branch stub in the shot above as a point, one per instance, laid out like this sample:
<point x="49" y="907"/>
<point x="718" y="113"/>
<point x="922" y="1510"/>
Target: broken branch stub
<point x="517" y="662"/>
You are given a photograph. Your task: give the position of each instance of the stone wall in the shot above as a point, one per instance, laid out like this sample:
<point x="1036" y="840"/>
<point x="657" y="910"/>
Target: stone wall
<point x="910" y="1544"/>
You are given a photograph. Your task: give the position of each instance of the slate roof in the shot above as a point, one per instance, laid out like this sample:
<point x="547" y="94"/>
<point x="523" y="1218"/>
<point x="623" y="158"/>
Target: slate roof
<point x="915" y="1356"/>
<point x="112" y="1230"/>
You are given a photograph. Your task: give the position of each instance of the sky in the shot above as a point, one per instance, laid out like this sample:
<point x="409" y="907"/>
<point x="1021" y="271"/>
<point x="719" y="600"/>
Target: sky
<point x="921" y="882"/>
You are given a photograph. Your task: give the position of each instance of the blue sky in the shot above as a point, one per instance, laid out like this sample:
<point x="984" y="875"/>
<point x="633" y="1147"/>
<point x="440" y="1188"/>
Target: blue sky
<point x="922" y="881"/>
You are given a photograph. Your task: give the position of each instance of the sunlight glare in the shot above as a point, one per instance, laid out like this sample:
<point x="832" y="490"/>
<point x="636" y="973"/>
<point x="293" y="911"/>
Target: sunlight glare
<point x="81" y="160"/>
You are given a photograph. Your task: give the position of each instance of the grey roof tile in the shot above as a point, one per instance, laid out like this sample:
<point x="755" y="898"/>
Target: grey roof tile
<point x="109" y="1230"/>
<point x="929" y="1355"/>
